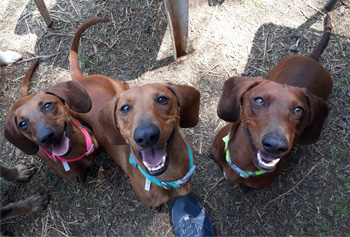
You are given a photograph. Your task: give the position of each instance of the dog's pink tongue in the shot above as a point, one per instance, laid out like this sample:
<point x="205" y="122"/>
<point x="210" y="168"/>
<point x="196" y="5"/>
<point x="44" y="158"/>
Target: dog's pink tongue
<point x="267" y="157"/>
<point x="60" y="147"/>
<point x="154" y="156"/>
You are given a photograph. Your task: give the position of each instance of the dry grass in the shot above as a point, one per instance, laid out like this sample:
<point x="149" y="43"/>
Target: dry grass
<point x="311" y="197"/>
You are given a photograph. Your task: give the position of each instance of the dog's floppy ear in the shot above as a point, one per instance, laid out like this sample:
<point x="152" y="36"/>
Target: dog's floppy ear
<point x="74" y="94"/>
<point x="232" y="93"/>
<point x="188" y="98"/>
<point x="106" y="117"/>
<point x="13" y="134"/>
<point x="318" y="112"/>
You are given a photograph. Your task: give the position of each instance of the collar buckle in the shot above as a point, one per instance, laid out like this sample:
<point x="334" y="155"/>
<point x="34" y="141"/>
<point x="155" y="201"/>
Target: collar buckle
<point x="165" y="185"/>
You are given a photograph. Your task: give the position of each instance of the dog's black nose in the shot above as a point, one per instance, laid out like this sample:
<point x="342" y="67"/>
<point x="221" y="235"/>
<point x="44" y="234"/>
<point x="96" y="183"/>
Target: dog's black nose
<point x="275" y="144"/>
<point x="147" y="135"/>
<point x="46" y="135"/>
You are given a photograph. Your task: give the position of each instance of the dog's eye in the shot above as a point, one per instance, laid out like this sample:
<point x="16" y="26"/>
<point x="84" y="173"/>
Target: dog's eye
<point x="259" y="101"/>
<point x="125" y="109"/>
<point x="298" y="111"/>
<point x="47" y="106"/>
<point x="162" y="100"/>
<point x="23" y="125"/>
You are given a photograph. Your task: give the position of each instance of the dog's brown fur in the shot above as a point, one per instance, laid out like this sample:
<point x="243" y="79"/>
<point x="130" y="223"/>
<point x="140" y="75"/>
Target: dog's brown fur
<point x="273" y="115"/>
<point x="114" y="129"/>
<point x="56" y="119"/>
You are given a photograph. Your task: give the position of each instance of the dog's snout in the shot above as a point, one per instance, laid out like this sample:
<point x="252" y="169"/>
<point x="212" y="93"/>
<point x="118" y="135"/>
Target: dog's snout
<point x="46" y="135"/>
<point x="146" y="136"/>
<point x="275" y="144"/>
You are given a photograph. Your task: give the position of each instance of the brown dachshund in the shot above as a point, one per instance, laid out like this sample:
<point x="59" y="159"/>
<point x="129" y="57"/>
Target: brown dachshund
<point x="34" y="204"/>
<point x="157" y="159"/>
<point x="269" y="116"/>
<point x="42" y="124"/>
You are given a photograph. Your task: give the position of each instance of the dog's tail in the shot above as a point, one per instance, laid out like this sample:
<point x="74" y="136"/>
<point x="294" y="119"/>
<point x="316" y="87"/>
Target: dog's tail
<point x="324" y="40"/>
<point x="73" y="55"/>
<point x="27" y="77"/>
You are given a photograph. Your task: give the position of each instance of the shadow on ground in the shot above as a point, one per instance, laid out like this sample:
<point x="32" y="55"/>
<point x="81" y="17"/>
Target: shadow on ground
<point x="124" y="48"/>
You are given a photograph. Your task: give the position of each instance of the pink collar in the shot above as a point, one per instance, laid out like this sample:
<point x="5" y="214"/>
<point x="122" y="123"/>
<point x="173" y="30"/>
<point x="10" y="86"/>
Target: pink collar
<point x="89" y="147"/>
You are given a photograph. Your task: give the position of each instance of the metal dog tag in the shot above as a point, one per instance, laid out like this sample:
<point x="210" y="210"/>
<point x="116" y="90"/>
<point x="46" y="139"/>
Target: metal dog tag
<point x="65" y="166"/>
<point x="147" y="185"/>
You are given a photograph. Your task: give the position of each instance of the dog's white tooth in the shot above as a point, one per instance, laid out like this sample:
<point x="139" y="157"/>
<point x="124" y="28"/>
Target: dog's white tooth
<point x="146" y="165"/>
<point x="259" y="157"/>
<point x="276" y="161"/>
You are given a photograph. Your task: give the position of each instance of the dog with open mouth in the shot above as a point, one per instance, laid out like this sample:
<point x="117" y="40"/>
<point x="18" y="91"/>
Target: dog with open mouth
<point x="158" y="160"/>
<point x="268" y="117"/>
<point x="139" y="128"/>
<point x="42" y="124"/>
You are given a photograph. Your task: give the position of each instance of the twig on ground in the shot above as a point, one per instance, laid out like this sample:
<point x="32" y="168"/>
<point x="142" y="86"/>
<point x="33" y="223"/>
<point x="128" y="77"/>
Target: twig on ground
<point x="284" y="194"/>
<point x="43" y="56"/>
<point x="313" y="7"/>
<point x="74" y="7"/>
<point x="166" y="234"/>
<point x="217" y="182"/>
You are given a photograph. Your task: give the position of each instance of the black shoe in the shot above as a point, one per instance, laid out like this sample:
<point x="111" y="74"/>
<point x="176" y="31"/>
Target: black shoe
<point x="189" y="217"/>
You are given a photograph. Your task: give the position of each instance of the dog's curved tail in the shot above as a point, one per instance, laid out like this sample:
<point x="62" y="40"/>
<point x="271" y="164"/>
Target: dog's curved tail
<point x="27" y="77"/>
<point x="75" y="71"/>
<point x="322" y="44"/>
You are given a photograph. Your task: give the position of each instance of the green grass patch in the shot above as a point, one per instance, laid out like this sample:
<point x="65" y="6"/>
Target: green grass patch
<point x="342" y="207"/>
<point x="324" y="229"/>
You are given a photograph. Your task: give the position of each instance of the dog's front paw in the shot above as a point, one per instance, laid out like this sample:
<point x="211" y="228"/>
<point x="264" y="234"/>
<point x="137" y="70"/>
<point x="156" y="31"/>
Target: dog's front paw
<point x="9" y="57"/>
<point x="24" y="172"/>
<point x="37" y="203"/>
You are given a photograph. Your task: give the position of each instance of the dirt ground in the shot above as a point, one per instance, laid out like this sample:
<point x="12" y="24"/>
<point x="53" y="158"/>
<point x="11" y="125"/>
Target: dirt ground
<point x="226" y="38"/>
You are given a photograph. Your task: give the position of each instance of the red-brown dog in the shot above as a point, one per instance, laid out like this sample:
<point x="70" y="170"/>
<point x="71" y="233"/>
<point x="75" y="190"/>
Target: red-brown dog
<point x="42" y="124"/>
<point x="159" y="161"/>
<point x="269" y="116"/>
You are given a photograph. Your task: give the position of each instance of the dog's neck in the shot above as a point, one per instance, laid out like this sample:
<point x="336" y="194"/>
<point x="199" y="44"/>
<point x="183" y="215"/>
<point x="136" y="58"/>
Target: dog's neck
<point x="78" y="140"/>
<point x="243" y="158"/>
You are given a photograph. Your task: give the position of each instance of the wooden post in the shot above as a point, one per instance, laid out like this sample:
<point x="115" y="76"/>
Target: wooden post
<point x="177" y="15"/>
<point x="40" y="4"/>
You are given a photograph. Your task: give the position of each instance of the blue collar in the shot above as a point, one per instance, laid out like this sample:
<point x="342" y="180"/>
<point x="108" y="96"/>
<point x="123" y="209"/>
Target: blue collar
<point x="167" y="184"/>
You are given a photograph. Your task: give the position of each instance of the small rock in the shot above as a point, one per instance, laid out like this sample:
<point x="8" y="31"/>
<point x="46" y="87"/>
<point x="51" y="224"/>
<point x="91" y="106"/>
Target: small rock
<point x="245" y="73"/>
<point x="295" y="35"/>
<point x="146" y="28"/>
<point x="294" y="49"/>
<point x="144" y="24"/>
<point x="345" y="117"/>
<point x="324" y="211"/>
<point x="55" y="182"/>
<point x="342" y="9"/>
